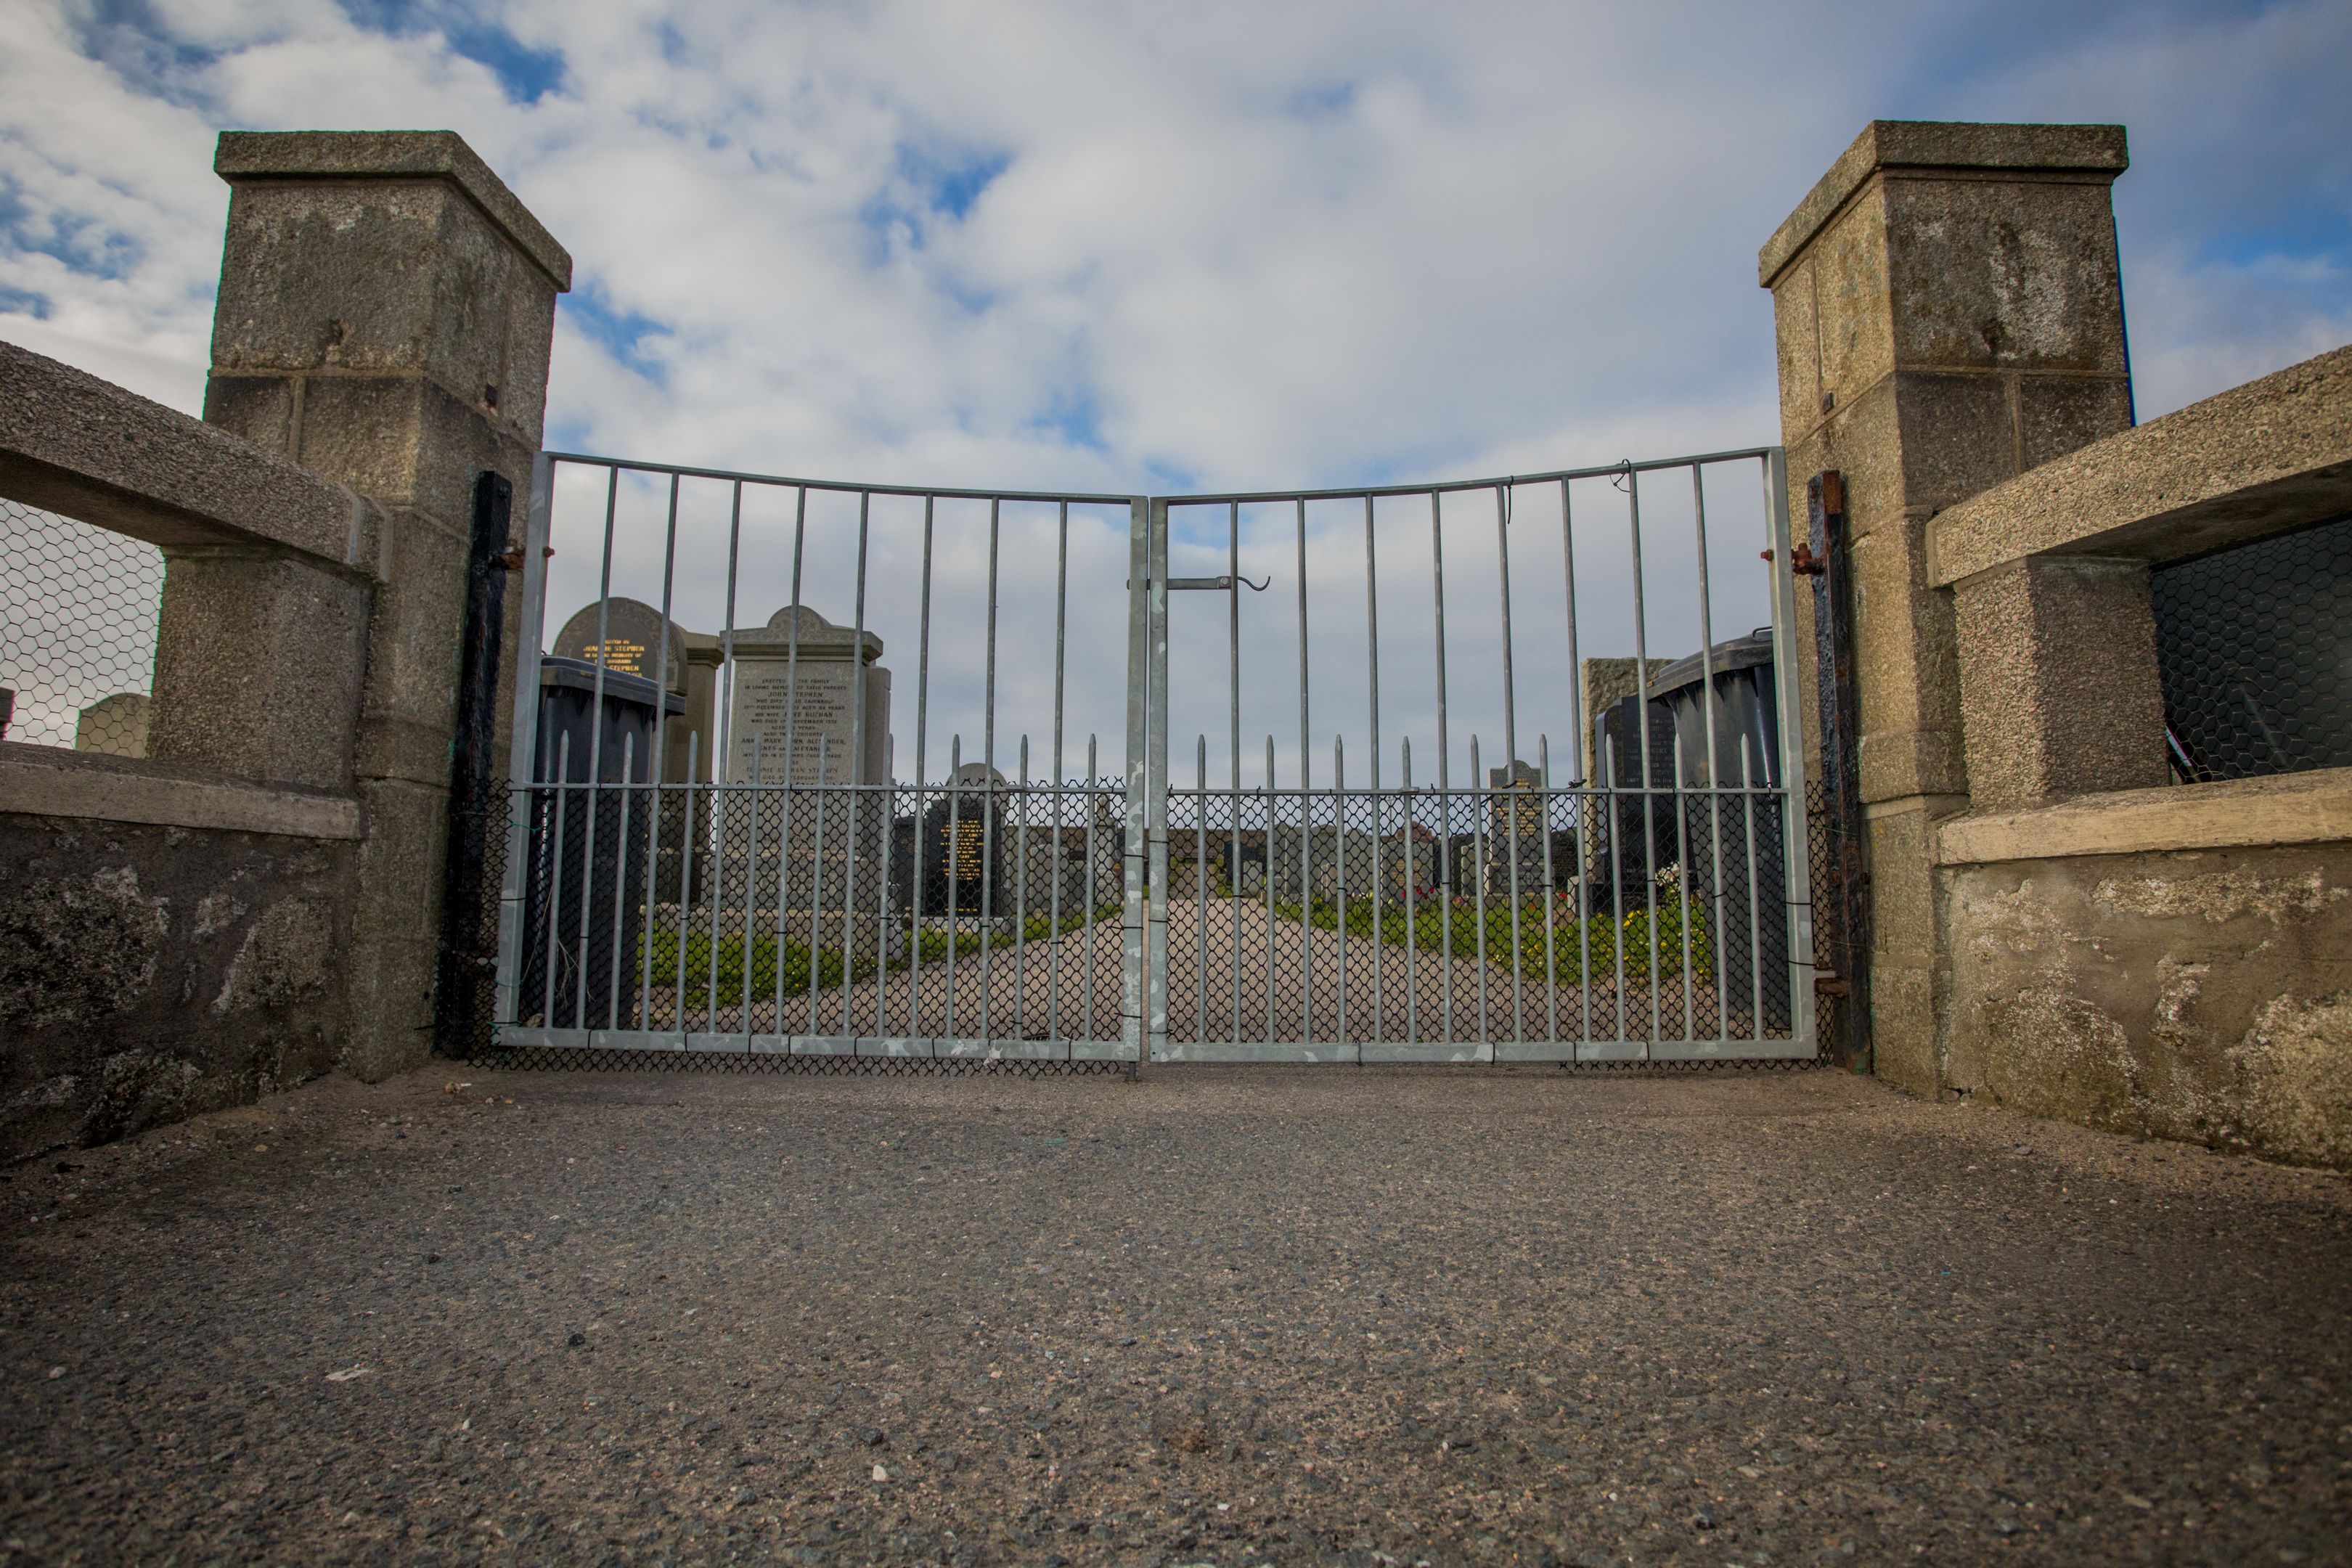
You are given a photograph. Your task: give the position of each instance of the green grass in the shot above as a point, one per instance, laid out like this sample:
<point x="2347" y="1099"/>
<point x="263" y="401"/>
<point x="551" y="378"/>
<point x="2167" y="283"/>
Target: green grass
<point x="766" y="952"/>
<point x="1440" y="927"/>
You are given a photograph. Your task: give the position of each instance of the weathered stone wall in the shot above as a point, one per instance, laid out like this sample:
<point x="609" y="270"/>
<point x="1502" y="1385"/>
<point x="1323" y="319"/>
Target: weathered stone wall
<point x="152" y="972"/>
<point x="2203" y="996"/>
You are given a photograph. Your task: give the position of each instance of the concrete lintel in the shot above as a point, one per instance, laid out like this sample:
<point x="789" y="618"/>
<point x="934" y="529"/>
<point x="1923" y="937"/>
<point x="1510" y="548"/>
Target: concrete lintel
<point x="44" y="781"/>
<point x="1952" y="147"/>
<point x="86" y="449"/>
<point x="243" y="155"/>
<point x="2258" y="460"/>
<point x="2313" y="807"/>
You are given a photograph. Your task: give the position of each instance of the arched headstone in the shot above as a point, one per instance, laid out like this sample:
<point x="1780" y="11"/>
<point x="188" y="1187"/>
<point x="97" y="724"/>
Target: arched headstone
<point x="630" y="641"/>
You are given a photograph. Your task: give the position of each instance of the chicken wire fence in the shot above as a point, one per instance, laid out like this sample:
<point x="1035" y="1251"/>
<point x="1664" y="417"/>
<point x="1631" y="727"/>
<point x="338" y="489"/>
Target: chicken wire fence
<point x="78" y="646"/>
<point x="2253" y="652"/>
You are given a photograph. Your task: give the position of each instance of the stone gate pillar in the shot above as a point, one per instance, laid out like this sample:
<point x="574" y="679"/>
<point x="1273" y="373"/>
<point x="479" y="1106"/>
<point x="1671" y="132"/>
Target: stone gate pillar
<point x="1949" y="314"/>
<point x="386" y="310"/>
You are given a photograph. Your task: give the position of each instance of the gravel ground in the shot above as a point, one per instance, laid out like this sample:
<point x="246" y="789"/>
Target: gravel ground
<point x="1227" y="1315"/>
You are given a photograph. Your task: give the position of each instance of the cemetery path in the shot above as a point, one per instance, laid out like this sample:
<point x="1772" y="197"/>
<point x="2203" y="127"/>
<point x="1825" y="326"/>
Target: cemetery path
<point x="1235" y="972"/>
<point x="1233" y="1315"/>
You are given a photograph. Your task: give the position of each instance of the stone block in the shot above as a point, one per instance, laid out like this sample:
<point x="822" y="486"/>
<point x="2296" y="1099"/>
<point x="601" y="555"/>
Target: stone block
<point x="1850" y="302"/>
<point x="1796" y="344"/>
<point x="2060" y="414"/>
<point x="1963" y="149"/>
<point x="1903" y="1024"/>
<point x="389" y="973"/>
<point x="260" y="660"/>
<point x="1958" y="435"/>
<point x="2201" y="995"/>
<point x="398" y="270"/>
<point x="1906" y="672"/>
<point x="259" y="408"/>
<point x="2004" y="274"/>
<point x="2058" y="680"/>
<point x="150" y="972"/>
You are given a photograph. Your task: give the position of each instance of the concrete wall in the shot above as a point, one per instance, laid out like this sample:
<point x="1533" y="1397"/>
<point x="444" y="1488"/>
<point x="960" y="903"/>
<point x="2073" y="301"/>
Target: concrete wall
<point x="2055" y="926"/>
<point x="257" y="901"/>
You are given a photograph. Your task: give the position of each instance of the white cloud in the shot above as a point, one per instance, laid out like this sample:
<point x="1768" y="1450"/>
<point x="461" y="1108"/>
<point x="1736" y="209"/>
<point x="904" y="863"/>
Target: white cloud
<point x="1127" y="247"/>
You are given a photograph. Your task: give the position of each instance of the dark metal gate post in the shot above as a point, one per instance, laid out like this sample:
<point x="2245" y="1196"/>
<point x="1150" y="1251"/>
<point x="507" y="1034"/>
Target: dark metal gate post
<point x="468" y="933"/>
<point x="1844" y="898"/>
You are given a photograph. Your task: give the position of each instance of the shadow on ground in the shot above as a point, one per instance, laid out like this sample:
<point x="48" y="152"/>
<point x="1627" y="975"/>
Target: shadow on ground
<point x="1228" y="1316"/>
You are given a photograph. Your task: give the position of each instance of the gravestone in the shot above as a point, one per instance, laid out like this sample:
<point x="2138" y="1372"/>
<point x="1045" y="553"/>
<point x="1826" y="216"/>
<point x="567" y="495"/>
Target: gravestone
<point x="1515" y="826"/>
<point x="963" y="848"/>
<point x="796" y="691"/>
<point x="631" y="639"/>
<point x="116" y="725"/>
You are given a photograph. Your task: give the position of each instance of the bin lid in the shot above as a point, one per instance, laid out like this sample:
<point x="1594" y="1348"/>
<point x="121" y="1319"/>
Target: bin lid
<point x="1739" y="653"/>
<point x="580" y="675"/>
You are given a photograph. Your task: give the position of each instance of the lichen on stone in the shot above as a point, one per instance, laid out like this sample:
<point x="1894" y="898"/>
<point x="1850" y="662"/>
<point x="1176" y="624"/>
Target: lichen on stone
<point x="2294" y="1079"/>
<point x="2219" y="896"/>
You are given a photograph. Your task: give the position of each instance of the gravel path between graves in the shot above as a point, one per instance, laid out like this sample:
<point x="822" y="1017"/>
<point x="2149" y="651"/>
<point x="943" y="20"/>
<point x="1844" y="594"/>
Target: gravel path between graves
<point x="1225" y="1315"/>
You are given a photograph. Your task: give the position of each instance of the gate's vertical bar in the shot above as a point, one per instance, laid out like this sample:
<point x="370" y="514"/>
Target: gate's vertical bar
<point x="751" y="902"/>
<point x="1449" y="869"/>
<point x="1649" y="782"/>
<point x="851" y="855"/>
<point x="1156" y="797"/>
<point x="684" y="889"/>
<point x="620" y="885"/>
<point x="1794" y="859"/>
<point x="1200" y="887"/>
<point x="555" y="883"/>
<point x="1412" y="925"/>
<point x="1269" y="922"/>
<point x="522" y="755"/>
<point x="1550" y="897"/>
<point x="1061" y="644"/>
<point x="1093" y="810"/>
<point x="1748" y="822"/>
<point x="1142" y="516"/>
<point x="722" y="748"/>
<point x="596" y="721"/>
<point x="1482" y="802"/>
<point x="1305" y="824"/>
<point x="1714" y="766"/>
<point x="1372" y="670"/>
<point x="1234" y="755"/>
<point x="922" y="718"/>
<point x="1683" y="894"/>
<point x="1021" y="895"/>
<point x="995" y="806"/>
<point x="816" y="889"/>
<point x="1339" y="880"/>
<point x="951" y="860"/>
<point x="1503" y="500"/>
<point x="1581" y="759"/>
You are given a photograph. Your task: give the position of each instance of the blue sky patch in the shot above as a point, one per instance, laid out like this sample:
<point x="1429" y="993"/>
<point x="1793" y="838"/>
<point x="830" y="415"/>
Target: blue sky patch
<point x="627" y="336"/>
<point x="525" y="75"/>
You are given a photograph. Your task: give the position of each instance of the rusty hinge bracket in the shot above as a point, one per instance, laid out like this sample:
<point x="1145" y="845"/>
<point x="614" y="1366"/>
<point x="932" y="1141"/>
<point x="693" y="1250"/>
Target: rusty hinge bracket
<point x="1801" y="560"/>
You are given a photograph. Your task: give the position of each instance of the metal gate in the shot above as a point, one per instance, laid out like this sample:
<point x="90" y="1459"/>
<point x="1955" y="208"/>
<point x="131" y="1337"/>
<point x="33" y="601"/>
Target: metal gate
<point x="728" y="833"/>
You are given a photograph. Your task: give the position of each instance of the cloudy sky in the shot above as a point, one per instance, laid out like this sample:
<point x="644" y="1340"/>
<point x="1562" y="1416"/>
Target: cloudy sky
<point x="1128" y="246"/>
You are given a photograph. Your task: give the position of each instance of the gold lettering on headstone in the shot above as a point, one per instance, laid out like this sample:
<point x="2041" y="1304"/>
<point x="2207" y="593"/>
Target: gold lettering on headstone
<point x="629" y="658"/>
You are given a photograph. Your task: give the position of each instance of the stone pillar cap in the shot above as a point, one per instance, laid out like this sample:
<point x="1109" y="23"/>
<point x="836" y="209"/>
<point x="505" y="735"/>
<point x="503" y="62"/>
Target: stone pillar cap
<point x="249" y="155"/>
<point x="1931" y="144"/>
